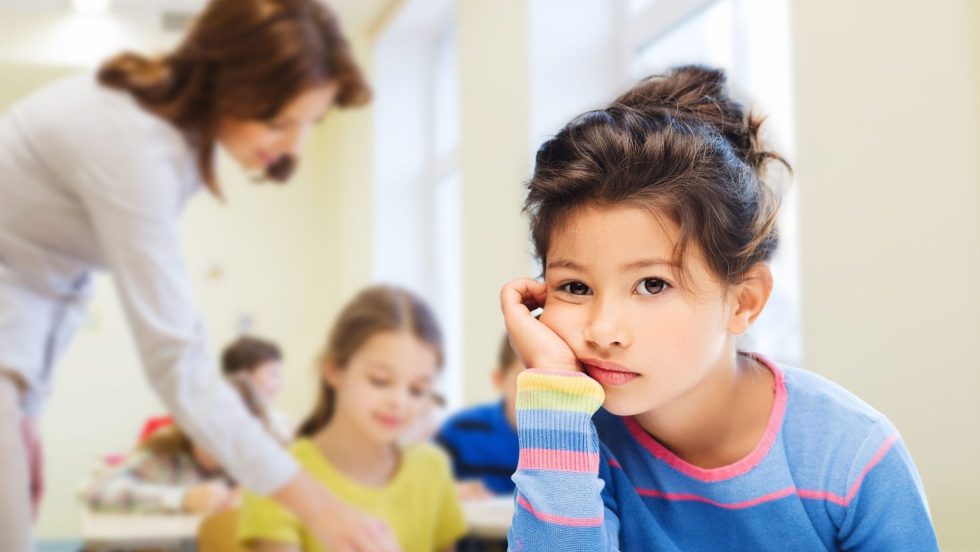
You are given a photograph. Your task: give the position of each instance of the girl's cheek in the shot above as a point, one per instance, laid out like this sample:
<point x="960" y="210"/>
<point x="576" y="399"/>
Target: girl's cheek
<point x="559" y="317"/>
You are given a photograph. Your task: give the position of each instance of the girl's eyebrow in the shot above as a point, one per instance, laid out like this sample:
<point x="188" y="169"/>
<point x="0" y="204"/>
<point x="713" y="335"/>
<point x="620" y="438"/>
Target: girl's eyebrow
<point x="565" y="264"/>
<point x="378" y="365"/>
<point x="647" y="263"/>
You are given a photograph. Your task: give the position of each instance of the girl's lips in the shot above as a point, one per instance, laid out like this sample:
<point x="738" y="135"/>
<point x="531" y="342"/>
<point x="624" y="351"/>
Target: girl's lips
<point x="608" y="373"/>
<point x="388" y="421"/>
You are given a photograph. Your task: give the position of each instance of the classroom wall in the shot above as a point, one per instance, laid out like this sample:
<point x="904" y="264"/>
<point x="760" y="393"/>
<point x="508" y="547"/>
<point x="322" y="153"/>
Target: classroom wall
<point x="888" y="136"/>
<point x="494" y="163"/>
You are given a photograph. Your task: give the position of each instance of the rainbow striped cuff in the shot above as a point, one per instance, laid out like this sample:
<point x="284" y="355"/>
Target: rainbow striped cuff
<point x="554" y="421"/>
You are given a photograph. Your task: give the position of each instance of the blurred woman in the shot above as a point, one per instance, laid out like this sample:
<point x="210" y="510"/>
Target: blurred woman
<point x="94" y="172"/>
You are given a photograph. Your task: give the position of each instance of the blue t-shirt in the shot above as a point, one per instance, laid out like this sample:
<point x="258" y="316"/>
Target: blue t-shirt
<point x="482" y="445"/>
<point x="830" y="473"/>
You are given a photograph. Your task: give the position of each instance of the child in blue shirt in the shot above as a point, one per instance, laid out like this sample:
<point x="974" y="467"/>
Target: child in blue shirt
<point x="482" y="440"/>
<point x="641" y="425"/>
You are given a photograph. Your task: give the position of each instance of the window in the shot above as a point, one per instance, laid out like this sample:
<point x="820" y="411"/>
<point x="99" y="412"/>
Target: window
<point x="417" y="227"/>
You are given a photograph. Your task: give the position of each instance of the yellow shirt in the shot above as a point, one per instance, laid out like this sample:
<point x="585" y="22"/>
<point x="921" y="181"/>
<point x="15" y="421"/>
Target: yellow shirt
<point x="419" y="503"/>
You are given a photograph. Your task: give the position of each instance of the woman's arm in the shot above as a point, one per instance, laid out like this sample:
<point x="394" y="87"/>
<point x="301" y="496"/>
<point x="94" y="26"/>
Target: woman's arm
<point x="338" y="526"/>
<point x="134" y="203"/>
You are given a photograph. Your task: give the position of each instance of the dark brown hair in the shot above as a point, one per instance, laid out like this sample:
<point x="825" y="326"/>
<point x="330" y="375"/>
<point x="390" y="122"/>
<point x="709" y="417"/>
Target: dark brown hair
<point x="374" y="310"/>
<point x="676" y="144"/>
<point x="247" y="353"/>
<point x="242" y="59"/>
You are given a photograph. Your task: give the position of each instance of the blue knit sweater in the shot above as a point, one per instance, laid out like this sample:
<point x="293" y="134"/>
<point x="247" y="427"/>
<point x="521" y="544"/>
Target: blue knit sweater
<point x="830" y="473"/>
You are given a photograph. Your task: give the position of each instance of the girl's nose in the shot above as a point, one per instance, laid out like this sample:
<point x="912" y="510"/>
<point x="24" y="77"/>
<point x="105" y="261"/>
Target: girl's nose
<point x="606" y="327"/>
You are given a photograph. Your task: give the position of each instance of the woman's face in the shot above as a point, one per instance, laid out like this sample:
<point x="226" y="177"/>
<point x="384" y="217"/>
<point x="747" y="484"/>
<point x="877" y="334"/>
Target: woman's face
<point x="256" y="144"/>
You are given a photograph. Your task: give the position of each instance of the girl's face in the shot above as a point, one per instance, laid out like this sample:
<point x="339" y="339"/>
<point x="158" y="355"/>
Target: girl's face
<point x="386" y="385"/>
<point x="613" y="296"/>
<point x="267" y="378"/>
<point x="257" y="144"/>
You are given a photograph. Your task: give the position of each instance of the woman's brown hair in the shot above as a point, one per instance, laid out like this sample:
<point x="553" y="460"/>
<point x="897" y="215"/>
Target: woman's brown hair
<point x="242" y="59"/>
<point x="374" y="310"/>
<point x="679" y="145"/>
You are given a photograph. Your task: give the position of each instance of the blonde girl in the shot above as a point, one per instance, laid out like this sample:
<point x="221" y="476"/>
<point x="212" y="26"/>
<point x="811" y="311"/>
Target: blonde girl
<point x="376" y="380"/>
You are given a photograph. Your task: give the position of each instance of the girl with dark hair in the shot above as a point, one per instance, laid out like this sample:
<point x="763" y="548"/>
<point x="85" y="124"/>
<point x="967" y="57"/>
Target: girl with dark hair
<point x="378" y="368"/>
<point x="94" y="171"/>
<point x="642" y="426"/>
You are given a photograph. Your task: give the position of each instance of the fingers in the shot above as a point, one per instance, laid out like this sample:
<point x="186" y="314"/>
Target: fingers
<point x="377" y="537"/>
<point x="524" y="292"/>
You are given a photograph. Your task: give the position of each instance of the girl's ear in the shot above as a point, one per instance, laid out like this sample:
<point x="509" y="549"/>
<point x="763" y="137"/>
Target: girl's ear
<point x="332" y="374"/>
<point x="751" y="296"/>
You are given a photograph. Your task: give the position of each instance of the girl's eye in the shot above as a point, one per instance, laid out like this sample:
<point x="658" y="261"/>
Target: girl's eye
<point x="576" y="288"/>
<point x="651" y="286"/>
<point x="379" y="382"/>
<point x="418" y="392"/>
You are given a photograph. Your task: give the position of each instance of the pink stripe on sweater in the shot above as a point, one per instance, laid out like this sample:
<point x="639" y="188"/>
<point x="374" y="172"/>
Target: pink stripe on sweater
<point x="559" y="520"/>
<point x="843" y="501"/>
<point x="690" y="497"/>
<point x="882" y="451"/>
<point x="732" y="470"/>
<point x="558" y="460"/>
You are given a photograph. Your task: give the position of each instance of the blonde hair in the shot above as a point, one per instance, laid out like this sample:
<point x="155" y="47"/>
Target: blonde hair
<point x="374" y="310"/>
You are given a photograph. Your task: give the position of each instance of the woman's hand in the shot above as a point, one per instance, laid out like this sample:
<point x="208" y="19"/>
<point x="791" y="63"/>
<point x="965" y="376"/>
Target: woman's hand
<point x="337" y="526"/>
<point x="537" y="345"/>
<point x="205" y="498"/>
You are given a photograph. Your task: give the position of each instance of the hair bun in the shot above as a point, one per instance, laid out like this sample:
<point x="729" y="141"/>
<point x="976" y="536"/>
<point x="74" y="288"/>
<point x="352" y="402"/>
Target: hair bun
<point x="700" y="93"/>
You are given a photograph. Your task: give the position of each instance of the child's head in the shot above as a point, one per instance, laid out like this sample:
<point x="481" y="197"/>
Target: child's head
<point x="654" y="224"/>
<point x="258" y="360"/>
<point x="379" y="365"/>
<point x="505" y="376"/>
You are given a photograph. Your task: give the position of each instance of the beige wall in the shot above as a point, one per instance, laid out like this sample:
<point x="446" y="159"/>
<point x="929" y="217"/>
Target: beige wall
<point x="887" y="105"/>
<point x="494" y="161"/>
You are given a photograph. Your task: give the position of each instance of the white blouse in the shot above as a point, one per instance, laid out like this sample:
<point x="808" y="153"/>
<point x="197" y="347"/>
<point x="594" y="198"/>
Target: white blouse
<point x="90" y="180"/>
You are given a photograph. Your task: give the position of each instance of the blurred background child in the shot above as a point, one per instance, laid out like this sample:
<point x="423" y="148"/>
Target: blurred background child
<point x="169" y="473"/>
<point x="482" y="440"/>
<point x="382" y="356"/>
<point x="260" y="361"/>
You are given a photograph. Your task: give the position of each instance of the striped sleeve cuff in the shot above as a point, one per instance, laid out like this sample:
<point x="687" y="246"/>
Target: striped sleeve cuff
<point x="554" y="421"/>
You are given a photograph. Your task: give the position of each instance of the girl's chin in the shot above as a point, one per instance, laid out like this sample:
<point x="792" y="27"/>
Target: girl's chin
<point x="623" y="408"/>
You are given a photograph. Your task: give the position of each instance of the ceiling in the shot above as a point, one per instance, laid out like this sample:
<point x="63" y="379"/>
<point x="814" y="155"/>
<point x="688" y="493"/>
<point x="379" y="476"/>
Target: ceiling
<point x="355" y="14"/>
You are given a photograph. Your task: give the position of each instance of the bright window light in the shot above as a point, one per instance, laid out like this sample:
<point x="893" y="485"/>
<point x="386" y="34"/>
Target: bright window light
<point x="90" y="6"/>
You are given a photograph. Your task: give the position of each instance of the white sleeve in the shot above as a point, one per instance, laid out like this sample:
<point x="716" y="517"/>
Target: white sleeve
<point x="133" y="198"/>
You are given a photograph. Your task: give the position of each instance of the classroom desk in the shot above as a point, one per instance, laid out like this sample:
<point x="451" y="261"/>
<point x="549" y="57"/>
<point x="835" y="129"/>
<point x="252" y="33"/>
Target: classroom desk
<point x="489" y="519"/>
<point x="104" y="532"/>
